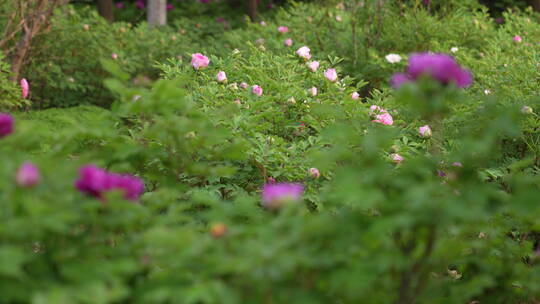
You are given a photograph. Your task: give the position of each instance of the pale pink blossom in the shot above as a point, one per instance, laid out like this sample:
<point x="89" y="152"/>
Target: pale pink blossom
<point x="425" y="131"/>
<point x="313" y="65"/>
<point x="397" y="158"/>
<point x="331" y="75"/>
<point x="262" y="23"/>
<point x="199" y="61"/>
<point x="304" y="52"/>
<point x="393" y="58"/>
<point x="355" y="95"/>
<point x="517" y="38"/>
<point x="114" y="56"/>
<point x="384" y="118"/>
<point x="288" y="42"/>
<point x="314" y="173"/>
<point x="313" y="91"/>
<point x="283" y="29"/>
<point x="338" y="18"/>
<point x="244" y="85"/>
<point x="221" y="77"/>
<point x="25" y="88"/>
<point x="257" y="90"/>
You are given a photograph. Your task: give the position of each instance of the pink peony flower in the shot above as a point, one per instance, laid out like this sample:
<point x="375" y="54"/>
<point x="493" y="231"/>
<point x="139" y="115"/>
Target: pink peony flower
<point x="283" y="29"/>
<point x="6" y="124"/>
<point x="314" y="173"/>
<point x="288" y="42"/>
<point x="199" y="61"/>
<point x="425" y="131"/>
<point x="384" y="118"/>
<point x="96" y="182"/>
<point x="304" y="52"/>
<point x="275" y="195"/>
<point x="244" y="85"/>
<point x="114" y="56"/>
<point x="313" y="91"/>
<point x="396" y="158"/>
<point x="517" y="38"/>
<point x="25" y="88"/>
<point x="457" y="164"/>
<point x="221" y="77"/>
<point x="355" y="95"/>
<point x="28" y="175"/>
<point x="257" y="90"/>
<point x="313" y="65"/>
<point x="331" y="75"/>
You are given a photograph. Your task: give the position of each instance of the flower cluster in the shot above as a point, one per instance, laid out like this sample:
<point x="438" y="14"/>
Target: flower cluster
<point x="440" y="67"/>
<point x="380" y="115"/>
<point x="95" y="182"/>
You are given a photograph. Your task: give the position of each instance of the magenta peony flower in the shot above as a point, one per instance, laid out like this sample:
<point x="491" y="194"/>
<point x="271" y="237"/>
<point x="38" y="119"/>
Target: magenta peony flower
<point x="313" y="91"/>
<point x="140" y="4"/>
<point x="425" y="131"/>
<point x="283" y="29"/>
<point x="199" y="61"/>
<point x="517" y="38"/>
<point x="25" y="88"/>
<point x="6" y="124"/>
<point x="397" y="158"/>
<point x="221" y="77"/>
<point x="170" y="7"/>
<point x="276" y="195"/>
<point x="331" y="75"/>
<point x="119" y="5"/>
<point x="257" y="90"/>
<point x="288" y="42"/>
<point x="313" y="65"/>
<point x="314" y="173"/>
<point x="355" y="95"/>
<point x="441" y="67"/>
<point x="28" y="175"/>
<point x="304" y="52"/>
<point x="95" y="182"/>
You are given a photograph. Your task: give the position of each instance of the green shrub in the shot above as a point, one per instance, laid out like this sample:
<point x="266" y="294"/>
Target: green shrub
<point x="10" y="94"/>
<point x="67" y="58"/>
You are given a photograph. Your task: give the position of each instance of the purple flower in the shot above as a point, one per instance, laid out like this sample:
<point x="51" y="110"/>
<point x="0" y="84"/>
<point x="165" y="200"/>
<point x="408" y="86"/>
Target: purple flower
<point x="28" y="175"/>
<point x="6" y="124"/>
<point x="170" y="7"/>
<point x="275" y="195"/>
<point x="441" y="67"/>
<point x="95" y="182"/>
<point x="120" y="5"/>
<point x="204" y="1"/>
<point x="140" y="4"/>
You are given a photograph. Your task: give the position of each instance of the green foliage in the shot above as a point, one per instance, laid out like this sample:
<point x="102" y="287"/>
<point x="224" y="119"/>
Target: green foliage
<point x="67" y="58"/>
<point x="10" y="94"/>
<point x="368" y="230"/>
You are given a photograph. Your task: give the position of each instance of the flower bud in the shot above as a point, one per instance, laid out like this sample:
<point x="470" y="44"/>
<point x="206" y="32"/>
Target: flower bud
<point x="218" y="230"/>
<point x="314" y="173"/>
<point x="526" y="110"/>
<point x="425" y="131"/>
<point x="221" y="77"/>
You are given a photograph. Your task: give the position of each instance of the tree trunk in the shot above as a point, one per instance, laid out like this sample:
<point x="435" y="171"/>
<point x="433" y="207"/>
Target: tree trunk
<point x="535" y="4"/>
<point x="157" y="12"/>
<point x="252" y="9"/>
<point x="105" y="9"/>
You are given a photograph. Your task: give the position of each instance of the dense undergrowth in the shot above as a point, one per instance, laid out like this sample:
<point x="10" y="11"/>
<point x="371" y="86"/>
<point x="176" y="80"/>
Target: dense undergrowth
<point x="418" y="193"/>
